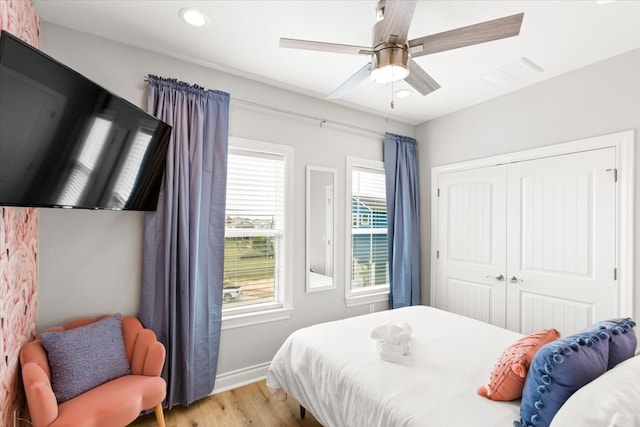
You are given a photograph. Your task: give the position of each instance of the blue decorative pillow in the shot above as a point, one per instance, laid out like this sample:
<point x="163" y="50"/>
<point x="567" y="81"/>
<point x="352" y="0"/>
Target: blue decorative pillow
<point x="85" y="357"/>
<point x="622" y="339"/>
<point x="557" y="371"/>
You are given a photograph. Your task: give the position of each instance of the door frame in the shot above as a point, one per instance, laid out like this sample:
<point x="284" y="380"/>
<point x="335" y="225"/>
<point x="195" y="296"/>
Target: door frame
<point x="623" y="142"/>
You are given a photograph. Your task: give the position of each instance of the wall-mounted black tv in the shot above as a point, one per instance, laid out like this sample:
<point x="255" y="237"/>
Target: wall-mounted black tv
<point x="67" y="142"/>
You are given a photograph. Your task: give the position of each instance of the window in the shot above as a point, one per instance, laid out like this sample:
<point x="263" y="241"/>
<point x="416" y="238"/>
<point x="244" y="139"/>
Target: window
<point x="257" y="285"/>
<point x="368" y="266"/>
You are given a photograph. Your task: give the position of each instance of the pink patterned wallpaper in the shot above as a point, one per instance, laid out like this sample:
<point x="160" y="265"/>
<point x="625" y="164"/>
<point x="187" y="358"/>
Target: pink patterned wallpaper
<point x="18" y="299"/>
<point x="18" y="251"/>
<point x="20" y="18"/>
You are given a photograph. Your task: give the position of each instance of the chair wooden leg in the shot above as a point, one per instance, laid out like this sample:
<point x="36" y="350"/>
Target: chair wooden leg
<point x="303" y="411"/>
<point x="159" y="415"/>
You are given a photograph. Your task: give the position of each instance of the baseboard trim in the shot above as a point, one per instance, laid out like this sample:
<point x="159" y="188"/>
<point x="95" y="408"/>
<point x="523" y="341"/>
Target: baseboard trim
<point x="240" y="377"/>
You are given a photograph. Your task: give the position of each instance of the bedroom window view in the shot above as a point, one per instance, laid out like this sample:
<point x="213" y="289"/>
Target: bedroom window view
<point x="369" y="259"/>
<point x="253" y="256"/>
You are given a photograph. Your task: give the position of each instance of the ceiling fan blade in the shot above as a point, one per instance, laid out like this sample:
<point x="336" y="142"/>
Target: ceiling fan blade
<point x="395" y="25"/>
<point x="324" y="47"/>
<point x="420" y="80"/>
<point x="351" y="82"/>
<point x="496" y="29"/>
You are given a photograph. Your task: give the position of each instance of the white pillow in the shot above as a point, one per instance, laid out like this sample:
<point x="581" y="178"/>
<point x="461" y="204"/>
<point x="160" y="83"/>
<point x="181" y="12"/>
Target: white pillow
<point x="611" y="400"/>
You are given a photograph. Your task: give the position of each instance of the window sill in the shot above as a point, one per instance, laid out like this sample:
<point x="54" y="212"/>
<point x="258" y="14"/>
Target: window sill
<point x="255" y="318"/>
<point x="369" y="298"/>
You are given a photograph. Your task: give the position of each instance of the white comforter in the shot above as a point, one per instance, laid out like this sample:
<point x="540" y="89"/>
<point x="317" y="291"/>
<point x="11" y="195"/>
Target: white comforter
<point x="335" y="372"/>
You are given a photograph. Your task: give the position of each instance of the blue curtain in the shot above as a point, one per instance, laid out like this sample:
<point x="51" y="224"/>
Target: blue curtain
<point x="403" y="219"/>
<point x="183" y="249"/>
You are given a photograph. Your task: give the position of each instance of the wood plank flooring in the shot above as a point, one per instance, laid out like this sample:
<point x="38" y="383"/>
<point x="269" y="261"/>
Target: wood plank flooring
<point x="245" y="406"/>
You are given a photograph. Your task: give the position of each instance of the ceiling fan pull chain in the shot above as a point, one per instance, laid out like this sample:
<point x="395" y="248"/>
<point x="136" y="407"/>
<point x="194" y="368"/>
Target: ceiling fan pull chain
<point x="392" y="103"/>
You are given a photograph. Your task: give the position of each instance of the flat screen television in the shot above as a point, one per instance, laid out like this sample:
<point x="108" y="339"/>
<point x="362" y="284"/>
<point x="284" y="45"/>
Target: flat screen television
<point x="68" y="142"/>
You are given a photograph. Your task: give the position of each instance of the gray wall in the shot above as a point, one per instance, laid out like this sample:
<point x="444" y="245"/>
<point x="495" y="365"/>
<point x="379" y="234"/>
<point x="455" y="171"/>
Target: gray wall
<point x="599" y="99"/>
<point x="89" y="262"/>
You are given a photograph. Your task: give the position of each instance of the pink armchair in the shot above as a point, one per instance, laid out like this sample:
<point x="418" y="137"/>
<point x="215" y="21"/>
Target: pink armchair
<point x="115" y="403"/>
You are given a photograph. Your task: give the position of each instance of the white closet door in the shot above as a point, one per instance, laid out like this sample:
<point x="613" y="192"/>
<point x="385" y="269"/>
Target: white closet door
<point x="561" y="242"/>
<point x="472" y="244"/>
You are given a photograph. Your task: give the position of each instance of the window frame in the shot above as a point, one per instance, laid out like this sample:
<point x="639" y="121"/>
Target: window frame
<point x="276" y="310"/>
<point x="373" y="294"/>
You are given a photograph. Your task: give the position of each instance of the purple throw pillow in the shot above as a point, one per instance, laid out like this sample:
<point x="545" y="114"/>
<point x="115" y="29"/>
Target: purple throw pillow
<point x="85" y="357"/>
<point x="622" y="338"/>
<point x="557" y="371"/>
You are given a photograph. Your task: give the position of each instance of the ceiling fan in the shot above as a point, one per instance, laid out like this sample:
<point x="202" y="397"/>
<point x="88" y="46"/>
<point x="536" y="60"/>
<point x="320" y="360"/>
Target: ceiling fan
<point x="392" y="54"/>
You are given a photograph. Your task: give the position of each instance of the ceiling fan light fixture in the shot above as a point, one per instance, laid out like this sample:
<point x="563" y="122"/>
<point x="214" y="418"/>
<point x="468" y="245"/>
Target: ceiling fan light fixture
<point x="403" y="93"/>
<point x="389" y="74"/>
<point x="390" y="64"/>
<point x="193" y="16"/>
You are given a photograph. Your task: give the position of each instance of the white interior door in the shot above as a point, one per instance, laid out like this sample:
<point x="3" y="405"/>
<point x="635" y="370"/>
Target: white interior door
<point x="472" y="244"/>
<point x="561" y="241"/>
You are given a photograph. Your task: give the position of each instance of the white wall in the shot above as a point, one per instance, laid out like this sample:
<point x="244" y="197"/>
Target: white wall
<point x="599" y="99"/>
<point x="90" y="261"/>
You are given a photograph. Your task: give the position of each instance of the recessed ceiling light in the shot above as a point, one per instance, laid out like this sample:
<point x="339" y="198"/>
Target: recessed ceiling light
<point x="403" y="93"/>
<point x="193" y="16"/>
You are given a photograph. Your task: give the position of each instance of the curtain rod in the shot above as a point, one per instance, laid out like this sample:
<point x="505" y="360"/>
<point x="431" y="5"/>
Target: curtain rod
<point x="322" y="120"/>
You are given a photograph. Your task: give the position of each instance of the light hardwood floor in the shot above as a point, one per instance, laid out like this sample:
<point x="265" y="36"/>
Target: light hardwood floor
<point x="245" y="406"/>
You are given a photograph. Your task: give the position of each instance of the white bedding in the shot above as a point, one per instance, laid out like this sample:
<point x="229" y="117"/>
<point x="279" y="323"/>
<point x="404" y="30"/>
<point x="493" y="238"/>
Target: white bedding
<point x="334" y="371"/>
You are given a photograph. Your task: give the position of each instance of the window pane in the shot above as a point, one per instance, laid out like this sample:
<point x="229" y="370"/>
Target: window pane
<point x="249" y="270"/>
<point x="253" y="257"/>
<point x="369" y="251"/>
<point x="255" y="191"/>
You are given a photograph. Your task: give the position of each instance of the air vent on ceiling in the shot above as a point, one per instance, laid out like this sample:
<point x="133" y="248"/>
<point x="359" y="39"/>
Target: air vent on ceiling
<point x="512" y="73"/>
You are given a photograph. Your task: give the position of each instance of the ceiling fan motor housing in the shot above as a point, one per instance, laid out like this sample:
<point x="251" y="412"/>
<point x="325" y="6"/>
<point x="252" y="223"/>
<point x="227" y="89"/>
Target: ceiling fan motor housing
<point x="389" y="63"/>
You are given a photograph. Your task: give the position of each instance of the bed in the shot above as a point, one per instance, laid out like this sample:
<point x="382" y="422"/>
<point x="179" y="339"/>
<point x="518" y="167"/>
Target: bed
<point x="334" y="370"/>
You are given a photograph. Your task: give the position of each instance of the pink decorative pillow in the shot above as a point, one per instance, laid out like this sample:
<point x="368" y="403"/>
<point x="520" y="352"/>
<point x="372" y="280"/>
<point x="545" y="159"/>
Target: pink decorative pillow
<point x="507" y="378"/>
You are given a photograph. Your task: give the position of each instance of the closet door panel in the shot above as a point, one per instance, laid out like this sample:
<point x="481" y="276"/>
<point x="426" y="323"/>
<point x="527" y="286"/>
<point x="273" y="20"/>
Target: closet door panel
<point x="471" y="244"/>
<point x="544" y="311"/>
<point x="561" y="241"/>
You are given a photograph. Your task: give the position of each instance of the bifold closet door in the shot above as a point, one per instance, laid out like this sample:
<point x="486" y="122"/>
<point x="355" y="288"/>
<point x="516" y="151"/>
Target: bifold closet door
<point x="561" y="241"/>
<point x="472" y="244"/>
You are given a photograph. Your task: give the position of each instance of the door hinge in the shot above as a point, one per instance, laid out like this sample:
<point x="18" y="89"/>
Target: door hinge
<point x="615" y="174"/>
<point x="437" y="254"/>
<point x="438" y="192"/>
<point x="615" y="274"/>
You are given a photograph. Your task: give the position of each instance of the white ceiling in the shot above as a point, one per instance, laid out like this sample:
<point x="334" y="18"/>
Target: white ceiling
<point x="242" y="38"/>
